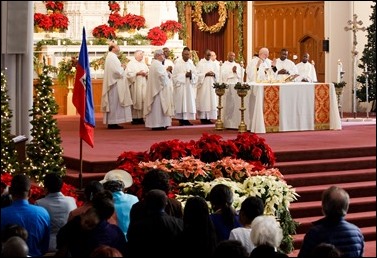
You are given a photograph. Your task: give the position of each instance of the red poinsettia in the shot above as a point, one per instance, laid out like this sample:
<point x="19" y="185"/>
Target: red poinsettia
<point x="54" y="6"/>
<point x="104" y="31"/>
<point x="42" y="20"/>
<point x="157" y="36"/>
<point x="114" y="6"/>
<point x="116" y="20"/>
<point x="171" y="25"/>
<point x="134" y="21"/>
<point x="59" y="21"/>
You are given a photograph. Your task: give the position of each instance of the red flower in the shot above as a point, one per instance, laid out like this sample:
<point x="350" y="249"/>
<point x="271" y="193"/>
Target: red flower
<point x="104" y="31"/>
<point x="114" y="6"/>
<point x="134" y="21"/>
<point x="42" y="20"/>
<point x="116" y="20"/>
<point x="59" y="21"/>
<point x="54" y="5"/>
<point x="157" y="36"/>
<point x="171" y="25"/>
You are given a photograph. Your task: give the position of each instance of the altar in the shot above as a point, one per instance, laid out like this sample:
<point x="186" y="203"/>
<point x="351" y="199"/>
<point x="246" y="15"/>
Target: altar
<point x="281" y="107"/>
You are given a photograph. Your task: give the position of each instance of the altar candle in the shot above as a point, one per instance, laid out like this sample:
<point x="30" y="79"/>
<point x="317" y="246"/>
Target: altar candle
<point x="340" y="69"/>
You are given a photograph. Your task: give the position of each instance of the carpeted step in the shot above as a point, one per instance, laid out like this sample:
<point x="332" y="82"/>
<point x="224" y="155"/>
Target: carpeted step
<point x="369" y="234"/>
<point x="309" y="166"/>
<point x="360" y="219"/>
<point x="355" y="189"/>
<point x="297" y="155"/>
<point x="72" y="177"/>
<point x="331" y="177"/>
<point x="89" y="166"/>
<point x="314" y="208"/>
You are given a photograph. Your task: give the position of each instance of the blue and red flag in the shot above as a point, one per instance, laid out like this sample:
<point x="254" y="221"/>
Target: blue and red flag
<point x="82" y="97"/>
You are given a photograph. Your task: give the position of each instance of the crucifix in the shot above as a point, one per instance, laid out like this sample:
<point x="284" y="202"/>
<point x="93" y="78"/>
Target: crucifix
<point x="355" y="28"/>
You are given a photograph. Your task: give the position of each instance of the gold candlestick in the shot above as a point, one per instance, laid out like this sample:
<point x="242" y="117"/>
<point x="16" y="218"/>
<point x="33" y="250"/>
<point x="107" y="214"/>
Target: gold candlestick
<point x="220" y="91"/>
<point x="242" y="92"/>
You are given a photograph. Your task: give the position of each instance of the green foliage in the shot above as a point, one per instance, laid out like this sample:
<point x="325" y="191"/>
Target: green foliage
<point x="368" y="60"/>
<point x="9" y="161"/>
<point x="44" y="153"/>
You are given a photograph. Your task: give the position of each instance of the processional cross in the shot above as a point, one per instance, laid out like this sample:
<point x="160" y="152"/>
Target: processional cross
<point x="355" y="28"/>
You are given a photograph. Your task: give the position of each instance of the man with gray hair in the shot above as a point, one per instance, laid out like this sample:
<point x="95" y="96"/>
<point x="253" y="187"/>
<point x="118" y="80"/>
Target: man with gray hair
<point x="158" y="104"/>
<point x="137" y="75"/>
<point x="333" y="228"/>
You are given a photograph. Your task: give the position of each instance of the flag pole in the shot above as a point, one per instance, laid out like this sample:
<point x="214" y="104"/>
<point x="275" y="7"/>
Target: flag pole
<point x="80" y="173"/>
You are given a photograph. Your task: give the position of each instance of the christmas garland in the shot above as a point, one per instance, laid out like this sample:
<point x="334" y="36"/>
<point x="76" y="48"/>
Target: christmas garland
<point x="197" y="17"/>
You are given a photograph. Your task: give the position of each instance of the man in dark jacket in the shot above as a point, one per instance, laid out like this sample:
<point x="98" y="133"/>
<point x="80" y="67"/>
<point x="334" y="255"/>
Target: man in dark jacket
<point x="333" y="228"/>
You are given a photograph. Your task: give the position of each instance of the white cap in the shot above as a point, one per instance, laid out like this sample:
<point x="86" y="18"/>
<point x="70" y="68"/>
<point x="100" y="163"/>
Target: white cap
<point x="118" y="175"/>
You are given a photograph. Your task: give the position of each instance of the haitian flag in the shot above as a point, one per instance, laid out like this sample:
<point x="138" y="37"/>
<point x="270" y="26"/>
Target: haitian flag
<point x="82" y="97"/>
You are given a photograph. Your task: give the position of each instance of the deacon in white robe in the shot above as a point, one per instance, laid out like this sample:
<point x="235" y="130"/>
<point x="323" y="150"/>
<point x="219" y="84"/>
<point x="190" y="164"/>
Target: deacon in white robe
<point x="184" y="82"/>
<point x="306" y="70"/>
<point x="116" y="98"/>
<point x="259" y="68"/>
<point x="231" y="73"/>
<point x="137" y="75"/>
<point x="206" y="98"/>
<point x="283" y="67"/>
<point x="158" y="104"/>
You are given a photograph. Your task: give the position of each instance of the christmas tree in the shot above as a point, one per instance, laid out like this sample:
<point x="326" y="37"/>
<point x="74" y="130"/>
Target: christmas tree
<point x="368" y="62"/>
<point x="9" y="160"/>
<point x="44" y="153"/>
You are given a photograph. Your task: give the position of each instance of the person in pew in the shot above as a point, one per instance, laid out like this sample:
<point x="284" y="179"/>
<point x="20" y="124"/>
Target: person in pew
<point x="333" y="228"/>
<point x="266" y="235"/>
<point x="306" y="70"/>
<point x="35" y="219"/>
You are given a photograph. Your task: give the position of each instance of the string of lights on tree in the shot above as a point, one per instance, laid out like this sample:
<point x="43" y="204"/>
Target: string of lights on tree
<point x="44" y="152"/>
<point x="9" y="160"/>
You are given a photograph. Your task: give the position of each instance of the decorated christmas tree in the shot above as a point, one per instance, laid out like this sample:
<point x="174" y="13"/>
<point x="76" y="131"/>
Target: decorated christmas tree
<point x="368" y="62"/>
<point x="44" y="152"/>
<point x="9" y="161"/>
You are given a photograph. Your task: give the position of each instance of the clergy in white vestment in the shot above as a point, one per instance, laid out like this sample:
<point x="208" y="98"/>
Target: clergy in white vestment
<point x="184" y="82"/>
<point x="259" y="68"/>
<point x="206" y="98"/>
<point x="306" y="70"/>
<point x="158" y="104"/>
<point x="283" y="67"/>
<point x="137" y="75"/>
<point x="231" y="73"/>
<point x="116" y="98"/>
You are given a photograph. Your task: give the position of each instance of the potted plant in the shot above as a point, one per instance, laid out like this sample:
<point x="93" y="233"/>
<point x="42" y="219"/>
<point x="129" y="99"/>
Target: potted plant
<point x="170" y="27"/>
<point x="67" y="70"/>
<point x="59" y="22"/>
<point x="157" y="36"/>
<point x="133" y="21"/>
<point x="104" y="31"/>
<point x="42" y="22"/>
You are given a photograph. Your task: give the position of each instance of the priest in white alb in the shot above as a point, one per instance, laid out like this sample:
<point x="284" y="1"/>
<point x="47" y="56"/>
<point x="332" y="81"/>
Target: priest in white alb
<point x="116" y="98"/>
<point x="158" y="104"/>
<point x="306" y="70"/>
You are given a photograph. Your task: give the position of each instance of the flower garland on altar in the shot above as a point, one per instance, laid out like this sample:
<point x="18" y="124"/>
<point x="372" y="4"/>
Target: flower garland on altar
<point x="197" y="17"/>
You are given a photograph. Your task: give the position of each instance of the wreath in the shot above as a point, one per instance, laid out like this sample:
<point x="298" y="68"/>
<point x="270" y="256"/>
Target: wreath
<point x="197" y="17"/>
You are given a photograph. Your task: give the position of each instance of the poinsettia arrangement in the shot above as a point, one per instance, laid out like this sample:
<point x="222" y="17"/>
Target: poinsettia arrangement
<point x="104" y="31"/>
<point x="54" y="5"/>
<point x="157" y="36"/>
<point x="133" y="21"/>
<point x="37" y="191"/>
<point x="171" y="25"/>
<point x="43" y="20"/>
<point x="114" y="6"/>
<point x="59" y="21"/>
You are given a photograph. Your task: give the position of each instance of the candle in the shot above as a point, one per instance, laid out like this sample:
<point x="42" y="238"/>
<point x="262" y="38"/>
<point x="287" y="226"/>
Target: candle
<point x="125" y="43"/>
<point x="340" y="69"/>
